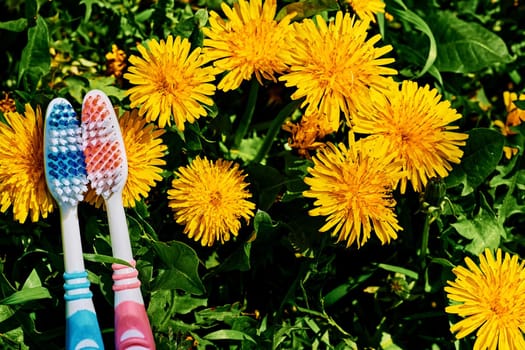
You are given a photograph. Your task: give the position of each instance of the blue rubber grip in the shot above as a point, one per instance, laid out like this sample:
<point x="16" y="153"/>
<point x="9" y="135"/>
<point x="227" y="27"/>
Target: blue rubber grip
<point x="83" y="332"/>
<point x="82" y="329"/>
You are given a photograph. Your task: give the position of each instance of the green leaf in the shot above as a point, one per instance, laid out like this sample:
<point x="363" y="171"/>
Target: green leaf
<point x="481" y="155"/>
<point x="399" y="269"/>
<point x="404" y="14"/>
<point x="35" y="61"/>
<point x="11" y="331"/>
<point x="268" y="183"/>
<point x="247" y="148"/>
<point x="182" y="263"/>
<point x="104" y="259"/>
<point x="342" y="290"/>
<point x="164" y="304"/>
<point x="387" y="343"/>
<point x="76" y="87"/>
<point x="262" y="223"/>
<point x="107" y="85"/>
<point x="186" y="303"/>
<point x="89" y="7"/>
<point x="484" y="229"/>
<point x="229" y="334"/>
<point x="223" y="313"/>
<point x="16" y="25"/>
<point x="33" y="280"/>
<point x="25" y="295"/>
<point x="465" y="47"/>
<point x="201" y="17"/>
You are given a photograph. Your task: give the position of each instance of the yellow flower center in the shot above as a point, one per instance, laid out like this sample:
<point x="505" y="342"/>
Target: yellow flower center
<point x="216" y="199"/>
<point x="166" y="87"/>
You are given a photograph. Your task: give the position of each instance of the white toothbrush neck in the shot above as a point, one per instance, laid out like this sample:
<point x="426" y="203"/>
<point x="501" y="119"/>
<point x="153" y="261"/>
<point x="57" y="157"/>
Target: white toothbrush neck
<point x="118" y="227"/>
<point x="71" y="241"/>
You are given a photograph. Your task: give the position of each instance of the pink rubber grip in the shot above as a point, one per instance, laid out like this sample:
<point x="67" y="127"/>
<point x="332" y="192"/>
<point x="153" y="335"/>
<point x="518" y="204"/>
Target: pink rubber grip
<point x="132" y="326"/>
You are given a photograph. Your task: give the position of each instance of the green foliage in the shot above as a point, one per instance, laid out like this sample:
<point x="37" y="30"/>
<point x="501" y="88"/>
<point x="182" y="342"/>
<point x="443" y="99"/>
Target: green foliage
<point x="280" y="284"/>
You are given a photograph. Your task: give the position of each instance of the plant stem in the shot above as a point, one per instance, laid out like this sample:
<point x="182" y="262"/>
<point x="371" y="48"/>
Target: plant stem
<point x="274" y="129"/>
<point x="424" y="238"/>
<point x="247" y="116"/>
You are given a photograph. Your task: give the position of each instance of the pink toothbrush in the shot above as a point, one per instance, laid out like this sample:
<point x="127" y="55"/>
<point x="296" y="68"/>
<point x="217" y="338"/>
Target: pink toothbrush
<point x="107" y="170"/>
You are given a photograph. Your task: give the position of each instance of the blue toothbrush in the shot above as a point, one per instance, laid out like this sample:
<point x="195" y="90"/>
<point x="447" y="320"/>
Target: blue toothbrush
<point x="66" y="178"/>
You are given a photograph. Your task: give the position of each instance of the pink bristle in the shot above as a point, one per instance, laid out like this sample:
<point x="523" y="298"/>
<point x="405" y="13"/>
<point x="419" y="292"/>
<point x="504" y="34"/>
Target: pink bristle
<point x="104" y="149"/>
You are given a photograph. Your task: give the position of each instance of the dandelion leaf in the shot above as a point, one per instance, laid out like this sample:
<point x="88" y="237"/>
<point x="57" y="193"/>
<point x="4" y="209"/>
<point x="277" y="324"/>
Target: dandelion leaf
<point x="466" y="47"/>
<point x="481" y="155"/>
<point x="484" y="230"/>
<point x="35" y="61"/>
<point x="16" y="25"/>
<point x="180" y="268"/>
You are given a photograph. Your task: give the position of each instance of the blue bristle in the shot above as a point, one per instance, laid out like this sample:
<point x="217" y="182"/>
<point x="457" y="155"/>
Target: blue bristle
<point x="65" y="164"/>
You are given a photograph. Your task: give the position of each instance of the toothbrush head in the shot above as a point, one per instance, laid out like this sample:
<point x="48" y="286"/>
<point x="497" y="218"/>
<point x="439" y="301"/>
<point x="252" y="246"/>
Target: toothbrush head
<point x="65" y="168"/>
<point x="106" y="162"/>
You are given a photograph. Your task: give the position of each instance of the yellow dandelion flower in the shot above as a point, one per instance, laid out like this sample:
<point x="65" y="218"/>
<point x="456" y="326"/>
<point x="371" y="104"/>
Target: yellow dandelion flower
<point x="333" y="65"/>
<point x="115" y="61"/>
<point x="7" y="104"/>
<point x="413" y="123"/>
<point x="22" y="177"/>
<point x="352" y="188"/>
<point x="515" y="116"/>
<point x="491" y="299"/>
<point x="510" y="152"/>
<point x="307" y="133"/>
<point x="250" y="43"/>
<point x="170" y="82"/>
<point x="367" y="9"/>
<point x="144" y="150"/>
<point x="209" y="199"/>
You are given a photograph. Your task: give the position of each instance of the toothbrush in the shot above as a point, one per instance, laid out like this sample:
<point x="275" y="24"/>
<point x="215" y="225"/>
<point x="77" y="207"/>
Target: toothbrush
<point x="66" y="179"/>
<point x="107" y="170"/>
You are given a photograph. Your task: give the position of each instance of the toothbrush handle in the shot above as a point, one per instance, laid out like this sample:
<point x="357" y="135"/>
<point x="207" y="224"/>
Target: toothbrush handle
<point x="132" y="327"/>
<point x="82" y="329"/>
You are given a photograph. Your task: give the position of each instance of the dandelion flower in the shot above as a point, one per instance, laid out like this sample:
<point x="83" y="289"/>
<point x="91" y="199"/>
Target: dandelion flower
<point x="22" y="177"/>
<point x="307" y="133"/>
<point x="413" y="123"/>
<point x="250" y="43"/>
<point x="490" y="297"/>
<point x="352" y="188"/>
<point x="209" y="199"/>
<point x="7" y="104"/>
<point x="115" y="61"/>
<point x="367" y="9"/>
<point x="515" y="116"/>
<point x="170" y="82"/>
<point x="333" y="65"/>
<point x="144" y="149"/>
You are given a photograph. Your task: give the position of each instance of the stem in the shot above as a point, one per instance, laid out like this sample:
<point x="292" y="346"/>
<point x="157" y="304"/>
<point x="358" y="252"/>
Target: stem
<point x="424" y="239"/>
<point x="274" y="129"/>
<point x="247" y="116"/>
